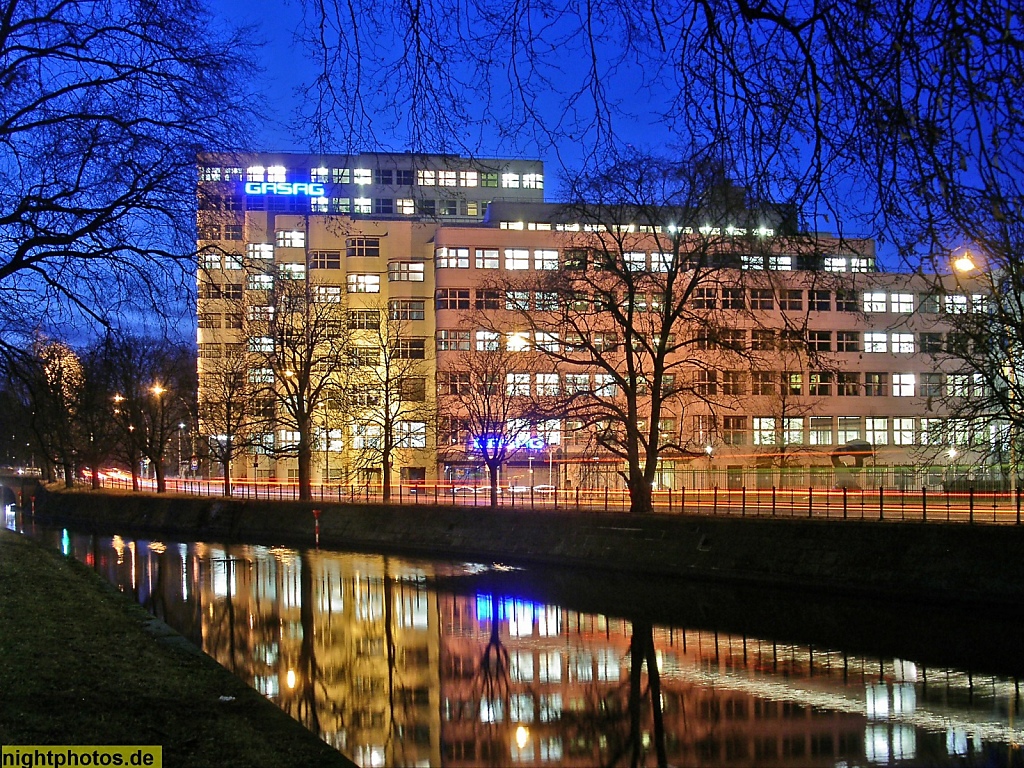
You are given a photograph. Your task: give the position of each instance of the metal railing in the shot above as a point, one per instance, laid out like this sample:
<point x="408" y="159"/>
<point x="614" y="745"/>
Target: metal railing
<point x="923" y="504"/>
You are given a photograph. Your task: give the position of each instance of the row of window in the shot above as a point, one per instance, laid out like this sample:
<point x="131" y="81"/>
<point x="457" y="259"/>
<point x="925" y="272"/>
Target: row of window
<point x="828" y="430"/>
<point x="838" y="383"/>
<point x="403" y="177"/>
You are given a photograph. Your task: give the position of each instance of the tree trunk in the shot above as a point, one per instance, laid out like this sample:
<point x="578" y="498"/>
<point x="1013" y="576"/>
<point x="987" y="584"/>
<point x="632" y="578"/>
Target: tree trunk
<point x="227" y="476"/>
<point x="305" y="471"/>
<point x="641" y="496"/>
<point x="69" y="474"/>
<point x="161" y="477"/>
<point x="386" y="475"/>
<point x="493" y="470"/>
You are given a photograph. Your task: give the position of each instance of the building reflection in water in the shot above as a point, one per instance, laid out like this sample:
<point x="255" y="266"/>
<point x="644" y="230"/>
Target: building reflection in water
<point x="367" y="654"/>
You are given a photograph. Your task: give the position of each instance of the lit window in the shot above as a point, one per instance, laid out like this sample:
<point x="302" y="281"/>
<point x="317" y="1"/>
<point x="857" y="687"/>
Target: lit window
<point x="604" y="385"/>
<point x="453" y="341"/>
<point x="255" y="173"/>
<point x="903" y="431"/>
<point x="291" y="238"/>
<point x="545" y="259"/>
<point x="261" y="375"/>
<point x="319" y="175"/>
<point x="849" y="429"/>
<point x="835" y="264"/>
<point x="261" y="344"/>
<point x="956" y="305"/>
<point x="259" y="282"/>
<point x="661" y="262"/>
<point x="208" y="173"/>
<point x="451" y="258"/>
<point x="751" y="261"/>
<point x="341" y="205"/>
<point x="780" y="263"/>
<point x="446" y="178"/>
<point x="820" y="430"/>
<point x="533" y="181"/>
<point x="547" y="342"/>
<point x="636" y="261"/>
<point x="517" y="384"/>
<point x="510" y="180"/>
<point x="858" y="264"/>
<point x="876" y="430"/>
<point x="426" y="178"/>
<point x="874" y="302"/>
<point x="405" y="206"/>
<point x="517" y="258"/>
<point x="362" y="205"/>
<point x="903" y="384"/>
<point x="902" y="302"/>
<point x="364" y="283"/>
<point x="318" y="205"/>
<point x="547" y="385"/>
<point x="488" y="179"/>
<point x="517" y="341"/>
<point x="469" y="179"/>
<point x="903" y="343"/>
<point x="406" y="271"/>
<point x="793" y="431"/>
<point x="341" y="175"/>
<point x="328" y="294"/>
<point x="764" y="430"/>
<point x="291" y="271"/>
<point x="486" y="341"/>
<point x="486" y="258"/>
<point x="276" y="173"/>
<point x="233" y="174"/>
<point x="876" y="342"/>
<point x="362" y="176"/>
<point x="233" y="261"/>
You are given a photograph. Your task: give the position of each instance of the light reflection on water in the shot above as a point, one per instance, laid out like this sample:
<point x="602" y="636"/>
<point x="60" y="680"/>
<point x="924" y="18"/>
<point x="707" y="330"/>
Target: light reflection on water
<point x="366" y="652"/>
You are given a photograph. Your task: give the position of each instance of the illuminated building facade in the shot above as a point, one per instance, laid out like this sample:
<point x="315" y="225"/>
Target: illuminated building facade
<point x="814" y="349"/>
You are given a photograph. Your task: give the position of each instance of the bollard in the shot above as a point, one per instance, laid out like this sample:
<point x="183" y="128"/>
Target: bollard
<point x="924" y="503"/>
<point x="810" y="501"/>
<point x="970" y="503"/>
<point x="773" y="501"/>
<point x="670" y="501"/>
<point x="714" y="508"/>
<point x="606" y="498"/>
<point x="881" y="503"/>
<point x="743" y="502"/>
<point x="845" y="495"/>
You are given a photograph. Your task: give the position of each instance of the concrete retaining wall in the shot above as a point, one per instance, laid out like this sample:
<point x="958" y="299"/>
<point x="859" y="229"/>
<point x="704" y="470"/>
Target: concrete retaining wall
<point x="932" y="561"/>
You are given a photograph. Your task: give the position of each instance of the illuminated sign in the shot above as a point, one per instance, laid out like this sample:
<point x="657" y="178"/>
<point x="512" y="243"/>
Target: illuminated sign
<point x="309" y="188"/>
<point x="490" y="445"/>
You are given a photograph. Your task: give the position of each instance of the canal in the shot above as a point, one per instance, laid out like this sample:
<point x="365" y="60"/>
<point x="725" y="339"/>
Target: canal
<point x="399" y="661"/>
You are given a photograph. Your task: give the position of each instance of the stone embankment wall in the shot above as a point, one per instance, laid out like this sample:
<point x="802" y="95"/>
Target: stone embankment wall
<point x="918" y="561"/>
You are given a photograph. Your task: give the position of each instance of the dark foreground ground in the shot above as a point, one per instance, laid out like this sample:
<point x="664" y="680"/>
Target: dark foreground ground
<point x="81" y="664"/>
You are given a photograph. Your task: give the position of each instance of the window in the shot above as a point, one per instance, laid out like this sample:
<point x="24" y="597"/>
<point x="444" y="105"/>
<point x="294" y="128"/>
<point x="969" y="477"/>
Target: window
<point x="260" y="251"/>
<point x="546" y="342"/>
<point x="635" y="261"/>
<point x="706" y="382"/>
<point x="734" y="430"/>
<point x="761" y="340"/>
<point x="411" y="434"/>
<point x="255" y="173"/>
<point x="407" y="309"/>
<point x="761" y="298"/>
<point x="821" y="384"/>
<point x="487" y="299"/>
<point x="547" y="385"/>
<point x="764" y="430"/>
<point x="752" y="261"/>
<point x="486" y="341"/>
<point x="453" y="383"/>
<point x="405" y="206"/>
<point x="517" y="384"/>
<point x="780" y="263"/>
<point x="931" y="385"/>
<point x="792" y="301"/>
<point x="260" y="313"/>
<point x="903" y="384"/>
<point x="819" y="301"/>
<point x="764" y="383"/>
<point x="259" y="282"/>
<point x="933" y="431"/>
<point x="875" y="301"/>
<point x="819" y="341"/>
<point x="365" y="436"/>
<point x="876" y="342"/>
<point x="533" y="181"/>
<point x="604" y="385"/>
<point x="411" y="349"/>
<point x="384" y="206"/>
<point x="452" y="341"/>
<point x="849" y="429"/>
<point x="955" y="305"/>
<point x="576" y="383"/>
<point x="262" y="344"/>
<point x="734" y="383"/>
<point x="517" y="341"/>
<point x="705" y="298"/>
<point x="426" y="177"/>
<point x="545" y="259"/>
<point x="793" y="431"/>
<point x="362" y="205"/>
<point x="261" y="375"/>
<point x="902" y="343"/>
<point x="733" y="298"/>
<point x="291" y="238"/>
<point x="848" y="341"/>
<point x="793" y="383"/>
<point x="209" y="319"/>
<point x="486" y="258"/>
<point x="325" y="259"/>
<point x="364" y="320"/>
<point x="404" y="177"/>
<point x="446" y="178"/>
<point x="510" y="180"/>
<point x="902" y="431"/>
<point x="545" y="301"/>
<point x="517" y="258"/>
<point x="368" y="247"/>
<point x="733" y="339"/>
<point x="341" y="205"/>
<point x="452" y="298"/>
<point x="875" y="384"/>
<point x="835" y="263"/>
<point x="406" y="271"/>
<point x="876" y="430"/>
<point x="574" y="260"/>
<point x="902" y="302"/>
<point x="820" y="430"/>
<point x="517" y="301"/>
<point x="449" y="208"/>
<point x="363" y="283"/>
<point x="209" y="173"/>
<point x="365" y="357"/>
<point x="931" y="343"/>
<point x="327" y="294"/>
<point x="291" y="271"/>
<point x="383" y="176"/>
<point x="848" y="384"/>
<point x="846" y="301"/>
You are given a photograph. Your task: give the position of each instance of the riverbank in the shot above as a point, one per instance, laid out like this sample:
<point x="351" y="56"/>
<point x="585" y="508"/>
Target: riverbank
<point x="932" y="562"/>
<point x="84" y="665"/>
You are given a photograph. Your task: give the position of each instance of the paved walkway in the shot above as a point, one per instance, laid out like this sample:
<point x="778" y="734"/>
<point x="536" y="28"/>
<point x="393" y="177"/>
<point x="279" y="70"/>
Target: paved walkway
<point x="81" y="664"/>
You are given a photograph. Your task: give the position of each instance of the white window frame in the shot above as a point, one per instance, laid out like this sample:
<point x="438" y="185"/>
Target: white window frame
<point x="517" y="259"/>
<point x="904" y="384"/>
<point x="363" y="283"/>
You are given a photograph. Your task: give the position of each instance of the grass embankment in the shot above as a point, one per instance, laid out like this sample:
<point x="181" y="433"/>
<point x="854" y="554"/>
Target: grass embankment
<point x="78" y="667"/>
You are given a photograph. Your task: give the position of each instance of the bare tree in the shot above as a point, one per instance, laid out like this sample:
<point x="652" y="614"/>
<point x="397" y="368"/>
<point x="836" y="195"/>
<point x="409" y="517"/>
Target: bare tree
<point x="105" y="105"/>
<point x="389" y="394"/>
<point x="488" y="410"/>
<point x="300" y="356"/>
